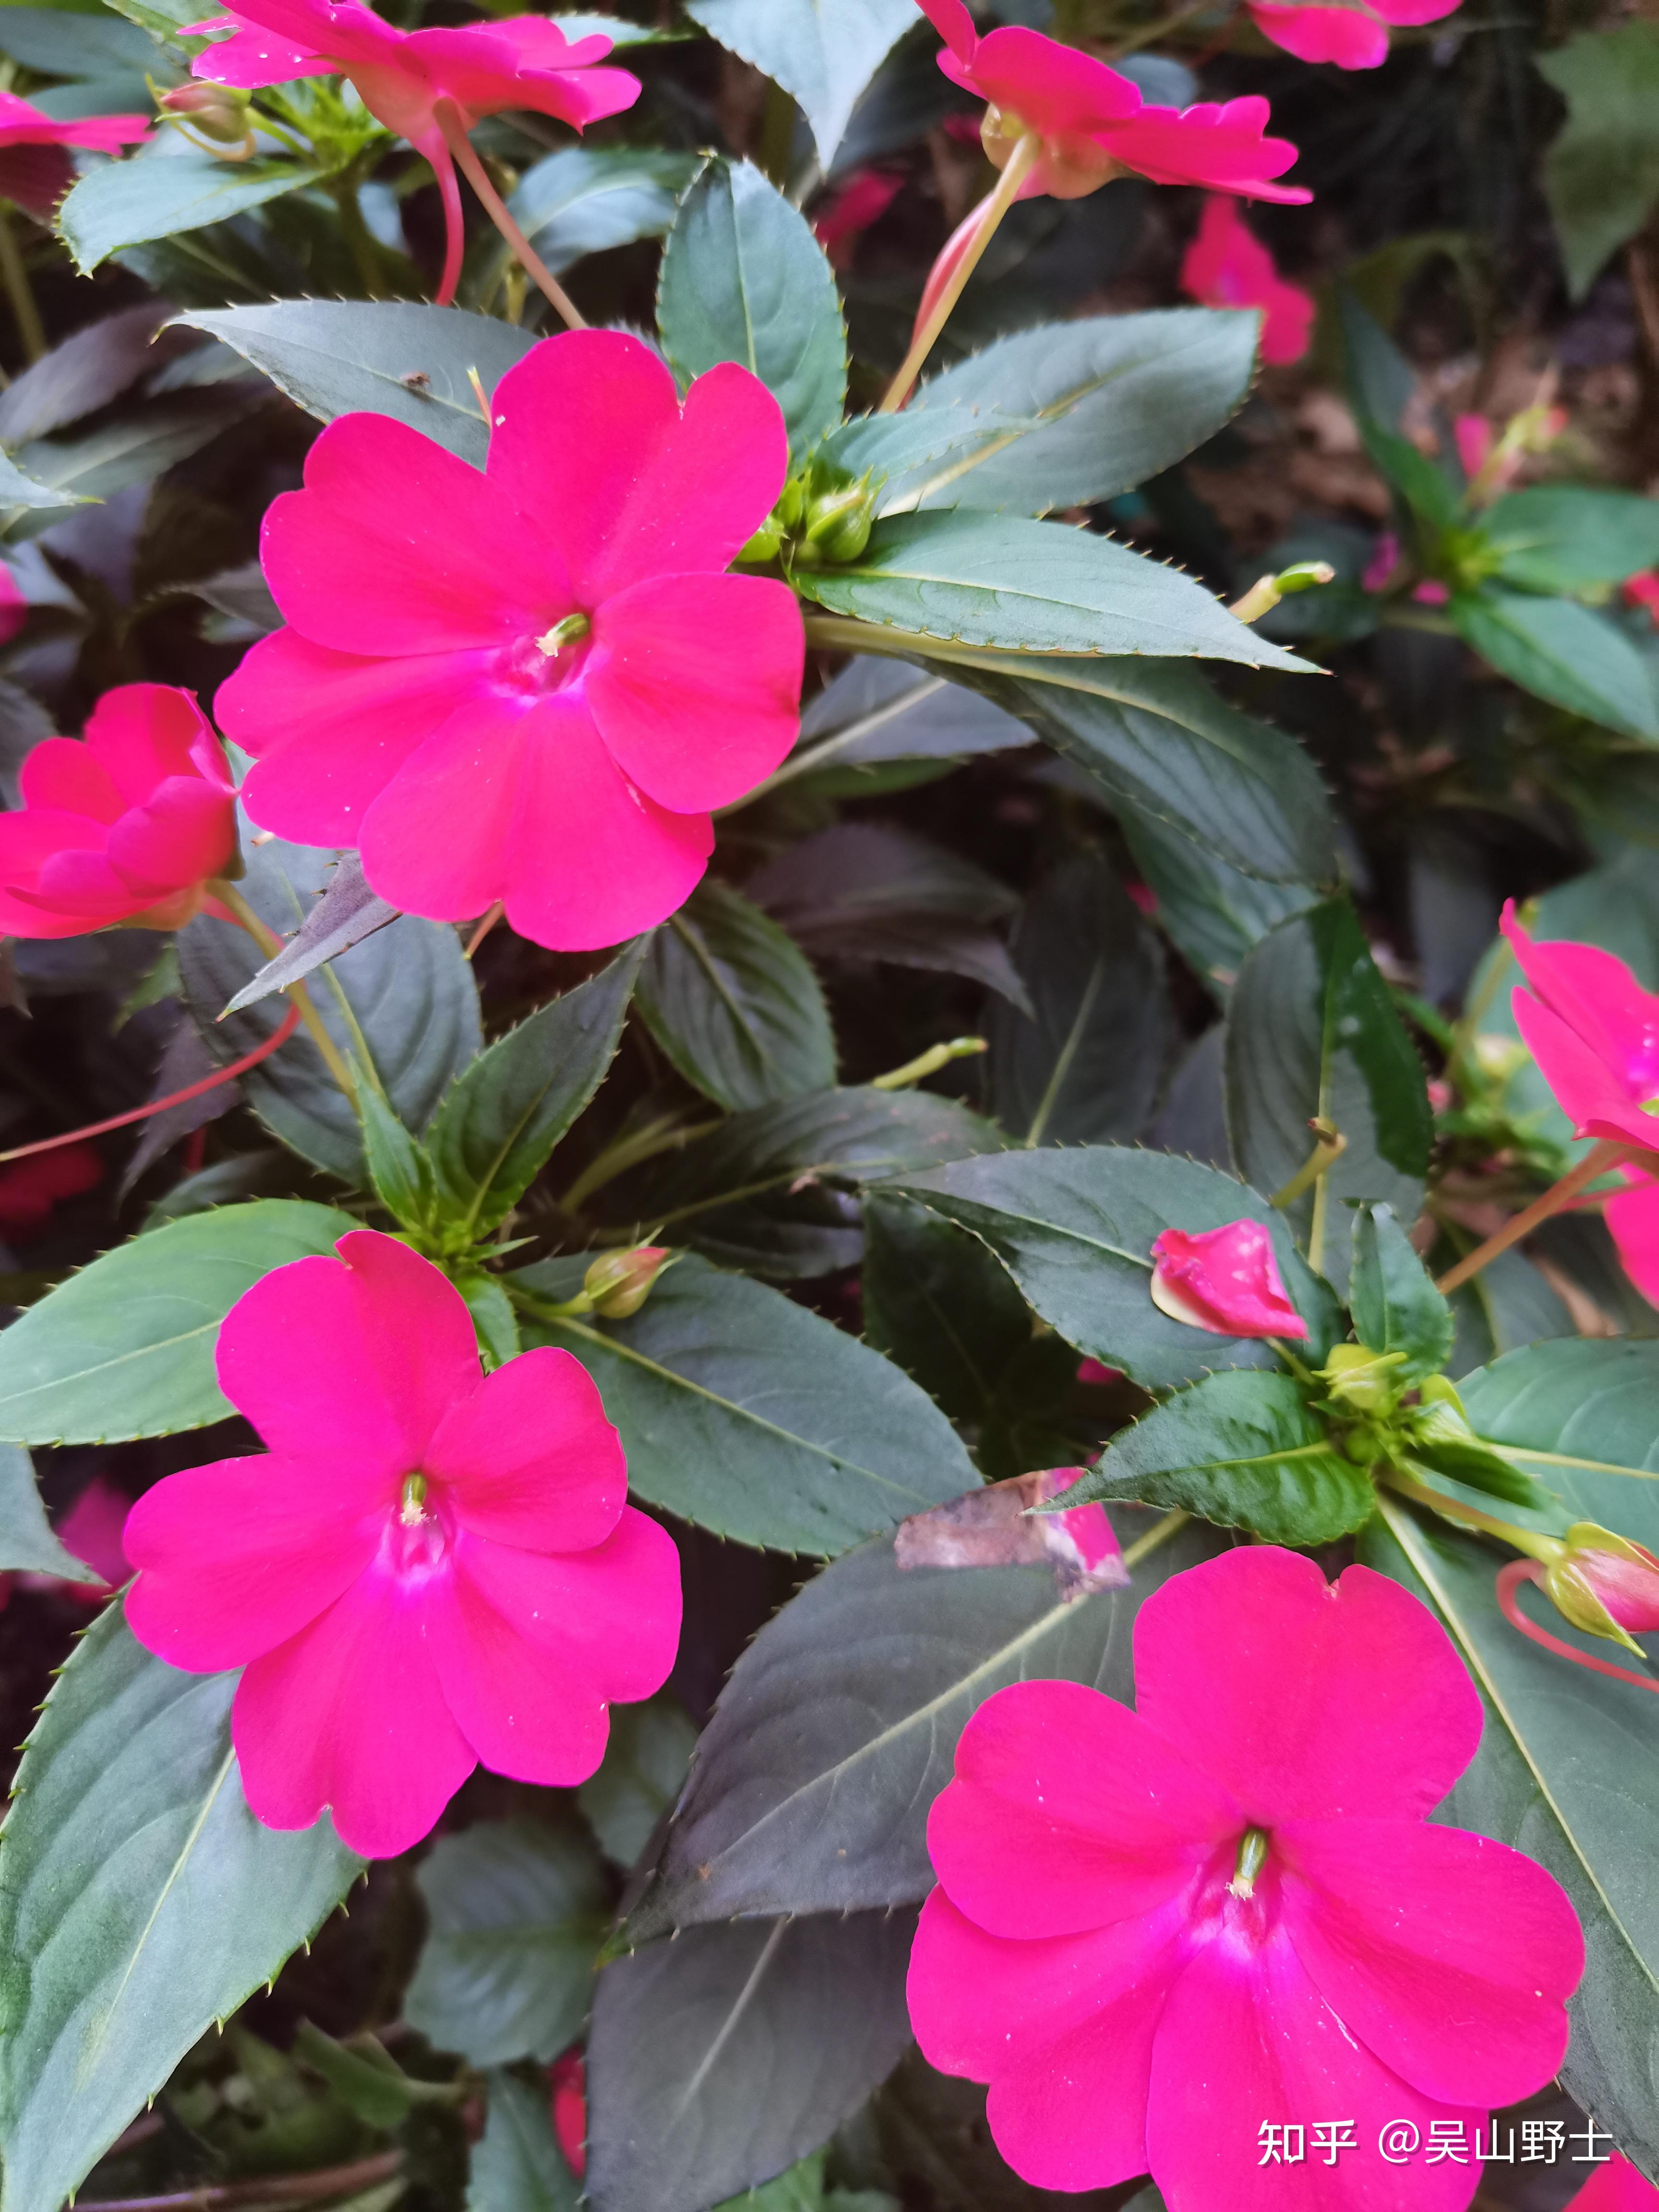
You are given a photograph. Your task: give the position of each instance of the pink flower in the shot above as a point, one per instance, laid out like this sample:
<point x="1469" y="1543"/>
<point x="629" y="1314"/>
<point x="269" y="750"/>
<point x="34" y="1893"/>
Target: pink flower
<point x="1157" y="1931"/>
<point x="851" y="209"/>
<point x="1430" y="592"/>
<point x="1633" y="1219"/>
<point x="1226" y="1281"/>
<point x="14" y="604"/>
<point x="1226" y="265"/>
<point x="34" y="169"/>
<point x="126" y="825"/>
<point x="569" y="2107"/>
<point x="30" y="1189"/>
<point x="1616" y="2187"/>
<point x="1097" y="1375"/>
<point x="1643" y="591"/>
<point x="1352" y="37"/>
<point x="531" y="683"/>
<point x="92" y="1530"/>
<point x="523" y="61"/>
<point x="1385" y="559"/>
<point x="1092" y="122"/>
<point x="430" y="1568"/>
<point x="1595" y="1034"/>
<point x="1475" y="438"/>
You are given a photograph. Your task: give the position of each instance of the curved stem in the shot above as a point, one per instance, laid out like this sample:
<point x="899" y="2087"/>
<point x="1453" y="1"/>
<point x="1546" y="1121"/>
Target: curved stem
<point x="1510" y="1579"/>
<point x="271" y="945"/>
<point x="1595" y="1164"/>
<point x="14" y="276"/>
<point x="484" y="927"/>
<point x="455" y="137"/>
<point x="956" y="265"/>
<point x="449" y="192"/>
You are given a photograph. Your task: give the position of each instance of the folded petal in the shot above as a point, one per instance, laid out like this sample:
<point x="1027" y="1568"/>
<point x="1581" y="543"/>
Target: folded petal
<point x="83" y="883"/>
<point x="526" y="1715"/>
<point x="695" y="684"/>
<point x="1305" y="1698"/>
<point x="951" y="18"/>
<point x="1353" y="38"/>
<point x="1220" y="146"/>
<point x="1052" y="88"/>
<point x="140" y="733"/>
<point x="530" y="1459"/>
<point x="1451" y="1956"/>
<point x="65" y="774"/>
<point x="186" y="832"/>
<point x="436" y="840"/>
<point x="611" y="1614"/>
<point x="254" y="59"/>
<point x="235" y="1557"/>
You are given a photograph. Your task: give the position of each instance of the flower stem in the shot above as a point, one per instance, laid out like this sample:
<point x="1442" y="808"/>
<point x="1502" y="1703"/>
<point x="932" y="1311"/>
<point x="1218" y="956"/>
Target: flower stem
<point x="455" y="137"/>
<point x="968" y="250"/>
<point x="271" y="945"/>
<point x="1594" y="1164"/>
<point x="484" y="927"/>
<point x="1170" y="1525"/>
<point x="14" y="276"/>
<point x="928" y="1063"/>
<point x="360" y="240"/>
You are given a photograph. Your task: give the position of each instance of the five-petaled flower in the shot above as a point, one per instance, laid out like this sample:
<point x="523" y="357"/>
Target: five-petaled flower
<point x="531" y="683"/>
<point x="1594" y="1032"/>
<point x="522" y="62"/>
<point x="1227" y="266"/>
<point x="127" y="825"/>
<point x="430" y="1568"/>
<point x="1092" y="121"/>
<point x="1153" y="1928"/>
<point x="1225" y="1279"/>
<point x="1354" y="35"/>
<point x="34" y="167"/>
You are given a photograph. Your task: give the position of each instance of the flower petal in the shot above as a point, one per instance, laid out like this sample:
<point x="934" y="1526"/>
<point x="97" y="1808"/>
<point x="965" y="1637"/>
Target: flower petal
<point x="525" y="1717"/>
<point x="1350" y="37"/>
<point x="1220" y="146"/>
<point x="1305" y="1698"/>
<point x="1052" y="88"/>
<point x="435" y="841"/>
<point x="1633" y="1219"/>
<point x="530" y="1459"/>
<point x="65" y="774"/>
<point x="1598" y="996"/>
<point x="1588" y="1091"/>
<point x="184" y="832"/>
<point x="141" y="733"/>
<point x="611" y="1614"/>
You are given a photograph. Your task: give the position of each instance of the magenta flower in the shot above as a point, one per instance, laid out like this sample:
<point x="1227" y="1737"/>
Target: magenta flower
<point x="34" y="169"/>
<point x="1226" y="1281"/>
<point x="524" y="62"/>
<point x="1595" y="1034"/>
<point x="1158" y="1933"/>
<point x="1616" y="2187"/>
<point x="1227" y="266"/>
<point x="431" y="1568"/>
<point x="1354" y="37"/>
<point x="14" y="600"/>
<point x="126" y="825"/>
<point x="1633" y="1219"/>
<point x="1643" y="591"/>
<point x="1092" y="121"/>
<point x="531" y="683"/>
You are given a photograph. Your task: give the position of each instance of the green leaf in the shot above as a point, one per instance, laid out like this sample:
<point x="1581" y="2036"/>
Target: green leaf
<point x="1583" y="1416"/>
<point x="1031" y="588"/>
<point x="1087" y="1066"/>
<point x="822" y="52"/>
<point x="163" y="192"/>
<point x="748" y="1414"/>
<point x="1074" y="1229"/>
<point x="136" y="443"/>
<point x="937" y="1303"/>
<point x="813" y="1781"/>
<point x="387" y="356"/>
<point x="515" y="1911"/>
<point x="744" y="280"/>
<point x="1564" y="653"/>
<point x="517" y="2163"/>
<point x="1243" y="1450"/>
<point x="877" y="710"/>
<point x="1395" y="1305"/>
<point x="128" y="1839"/>
<point x="126" y="1348"/>
<point x="1567" y="538"/>
<point x="366" y="2080"/>
<point x="498" y="1124"/>
<point x="1424" y="485"/>
<point x="494" y="1316"/>
<point x="27" y="1542"/>
<point x="1601" y="175"/>
<point x="398" y="1168"/>
<point x="1311" y="1030"/>
<point x="1065" y="415"/>
<point x="22" y="494"/>
<point x="717" y="2061"/>
<point x="645" y="1764"/>
<point x="1507" y="1305"/>
<point x="1212" y="911"/>
<point x="733" y="1002"/>
<point x="585" y="199"/>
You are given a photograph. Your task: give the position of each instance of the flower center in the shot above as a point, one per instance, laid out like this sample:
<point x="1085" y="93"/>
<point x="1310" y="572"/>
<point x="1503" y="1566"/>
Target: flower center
<point x="1252" y="1857"/>
<point x="417" y="1539"/>
<point x="547" y="663"/>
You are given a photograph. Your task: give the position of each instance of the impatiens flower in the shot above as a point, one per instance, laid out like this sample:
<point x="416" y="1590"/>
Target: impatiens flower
<point x="1594" y="1032"/>
<point x="126" y="825"/>
<point x="14" y="606"/>
<point x="1226" y="1281"/>
<point x="521" y="62"/>
<point x="1430" y="592"/>
<point x="1158" y="1934"/>
<point x="1354" y="37"/>
<point x="430" y="1568"/>
<point x="569" y="2104"/>
<point x="531" y="683"/>
<point x="92" y="1530"/>
<point x="1643" y="591"/>
<point x="34" y="168"/>
<point x="1474" y="438"/>
<point x="1092" y="121"/>
<point x="30" y="1189"/>
<point x="1227" y="266"/>
<point x="1616" y="2187"/>
<point x="1633" y="1219"/>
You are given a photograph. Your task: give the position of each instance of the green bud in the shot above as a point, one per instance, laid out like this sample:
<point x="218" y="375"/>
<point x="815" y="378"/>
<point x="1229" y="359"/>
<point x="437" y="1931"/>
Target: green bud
<point x="619" y="1284"/>
<point x="792" y="503"/>
<point x="764" y="545"/>
<point x="1366" y="1380"/>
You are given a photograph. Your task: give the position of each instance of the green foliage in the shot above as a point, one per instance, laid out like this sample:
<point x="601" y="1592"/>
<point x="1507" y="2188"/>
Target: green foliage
<point x="1602" y="173"/>
<point x="517" y="2165"/>
<point x="823" y="55"/>
<point x="644" y="1765"/>
<point x="1395" y="1305"/>
<point x="1565" y="539"/>
<point x="1564" y="652"/>
<point x="27" y="1543"/>
<point x="126" y="203"/>
<point x="585" y="199"/>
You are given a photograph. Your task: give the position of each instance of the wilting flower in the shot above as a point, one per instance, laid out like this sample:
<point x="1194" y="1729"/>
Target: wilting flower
<point x="126" y="825"/>
<point x="1594" y="1032"/>
<point x="1615" y="2187"/>
<point x="1226" y="1281"/>
<point x="522" y="62"/>
<point x="430" y="1568"/>
<point x="1093" y="123"/>
<point x="568" y="2087"/>
<point x="1156" y="1931"/>
<point x="1354" y="37"/>
<point x="1227" y="266"/>
<point x="532" y="684"/>
<point x="31" y="1189"/>
<point x="34" y="168"/>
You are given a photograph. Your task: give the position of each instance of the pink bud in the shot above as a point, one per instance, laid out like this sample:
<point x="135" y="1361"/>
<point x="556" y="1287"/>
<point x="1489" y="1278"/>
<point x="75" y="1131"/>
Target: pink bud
<point x="1430" y="594"/>
<point x="569" y="2102"/>
<point x="1604" y="1577"/>
<point x="1225" y="1280"/>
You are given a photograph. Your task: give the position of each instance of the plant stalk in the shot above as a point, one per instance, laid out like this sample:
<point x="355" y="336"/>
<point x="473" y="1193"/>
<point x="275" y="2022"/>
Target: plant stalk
<point x="455" y="137"/>
<point x="271" y="945"/>
<point x="1595" y="1164"/>
<point x="14" y="276"/>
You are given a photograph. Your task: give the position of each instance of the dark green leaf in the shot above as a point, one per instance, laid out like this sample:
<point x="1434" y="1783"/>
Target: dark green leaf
<point x="173" y="189"/>
<point x="938" y="1303"/>
<point x="748" y="1414"/>
<point x="366" y="2080"/>
<point x="1243" y="1450"/>
<point x="96" y="363"/>
<point x="1311" y="1030"/>
<point x="822" y="52"/>
<point x="1508" y="1305"/>
<point x="126" y="1348"/>
<point x="1381" y="381"/>
<point x="516" y="1909"/>
<point x="1213" y="912"/>
<point x="517" y="2165"/>
<point x="60" y="42"/>
<point x="1584" y="1417"/>
<point x="584" y="199"/>
<point x="129" y="1837"/>
<point x="498" y="1124"/>
<point x="1427" y="488"/>
<point x="732" y="1001"/>
<point x="1564" y="652"/>
<point x="1602" y="173"/>
<point x="934" y="2143"/>
<point x="744" y="280"/>
<point x="644" y="1769"/>
<point x="140" y="441"/>
<point x="27" y="1542"/>
<point x="1566" y="538"/>
<point x="716" y="2061"/>
<point x="1395" y="1305"/>
<point x="493" y="1314"/>
<point x="397" y="1169"/>
<point x="879" y="710"/>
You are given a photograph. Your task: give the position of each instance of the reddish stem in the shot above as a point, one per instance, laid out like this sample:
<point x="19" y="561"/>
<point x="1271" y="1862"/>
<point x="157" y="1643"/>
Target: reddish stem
<point x="1510" y="1579"/>
<point x="279" y="1035"/>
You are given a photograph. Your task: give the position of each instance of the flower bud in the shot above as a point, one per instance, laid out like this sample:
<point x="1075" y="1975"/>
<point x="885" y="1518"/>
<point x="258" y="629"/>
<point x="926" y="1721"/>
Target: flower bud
<point x="838" y="522"/>
<point x="1362" y="1380"/>
<point x="218" y="111"/>
<point x="764" y="545"/>
<point x="1604" y="1584"/>
<point x="1225" y="1279"/>
<point x="619" y="1284"/>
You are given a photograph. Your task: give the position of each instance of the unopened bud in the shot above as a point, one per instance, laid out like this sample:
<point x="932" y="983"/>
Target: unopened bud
<point x="838" y="522"/>
<point x="218" y="111"/>
<point x="763" y="546"/>
<point x="1362" y="1379"/>
<point x="1604" y="1584"/>
<point x="619" y="1284"/>
<point x="1265" y="594"/>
